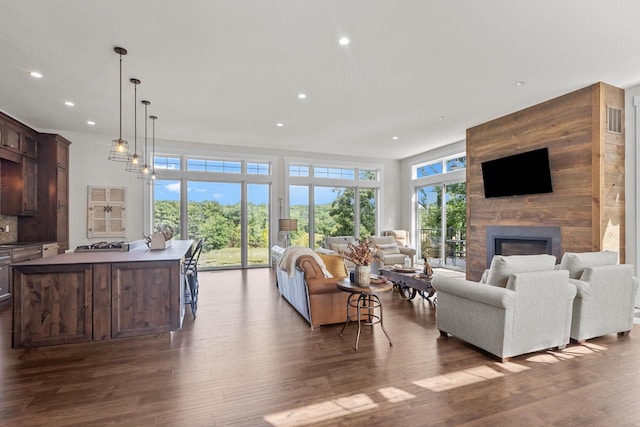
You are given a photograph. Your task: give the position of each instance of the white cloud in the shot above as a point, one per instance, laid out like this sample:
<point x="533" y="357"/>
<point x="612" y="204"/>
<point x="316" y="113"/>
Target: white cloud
<point x="174" y="187"/>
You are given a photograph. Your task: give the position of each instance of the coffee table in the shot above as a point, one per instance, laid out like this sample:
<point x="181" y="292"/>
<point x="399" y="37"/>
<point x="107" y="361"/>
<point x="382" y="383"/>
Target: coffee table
<point x="409" y="282"/>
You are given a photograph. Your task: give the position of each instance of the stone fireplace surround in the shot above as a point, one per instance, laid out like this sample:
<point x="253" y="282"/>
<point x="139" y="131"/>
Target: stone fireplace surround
<point x="523" y="239"/>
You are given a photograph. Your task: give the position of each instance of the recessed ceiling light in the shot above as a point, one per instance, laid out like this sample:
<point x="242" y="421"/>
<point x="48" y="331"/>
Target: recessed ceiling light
<point x="36" y="74"/>
<point x="520" y="83"/>
<point x="69" y="103"/>
<point x="302" y="95"/>
<point x="344" y="41"/>
<point x="91" y="123"/>
<point x="394" y="137"/>
<point x="279" y="124"/>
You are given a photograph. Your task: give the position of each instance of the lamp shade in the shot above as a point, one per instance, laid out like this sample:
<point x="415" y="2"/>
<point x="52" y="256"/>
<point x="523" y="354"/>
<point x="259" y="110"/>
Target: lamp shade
<point x="287" y="224"/>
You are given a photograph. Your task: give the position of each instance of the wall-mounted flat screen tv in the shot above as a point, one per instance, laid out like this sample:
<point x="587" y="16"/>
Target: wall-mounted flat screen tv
<point x="523" y="173"/>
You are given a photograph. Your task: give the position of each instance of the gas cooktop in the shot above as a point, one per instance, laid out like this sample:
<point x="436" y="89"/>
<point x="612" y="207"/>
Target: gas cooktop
<point x="103" y="246"/>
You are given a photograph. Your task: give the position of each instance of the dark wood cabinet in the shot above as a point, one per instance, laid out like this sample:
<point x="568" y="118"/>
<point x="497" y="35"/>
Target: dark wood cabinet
<point x="30" y="146"/>
<point x="50" y="223"/>
<point x="48" y="313"/>
<point x="19" y="168"/>
<point x="13" y="140"/>
<point x="29" y="189"/>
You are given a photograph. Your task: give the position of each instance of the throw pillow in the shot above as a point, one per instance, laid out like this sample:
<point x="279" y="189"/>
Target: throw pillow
<point x="388" y="249"/>
<point x="335" y="265"/>
<point x="577" y="262"/>
<point x="340" y="247"/>
<point x="503" y="266"/>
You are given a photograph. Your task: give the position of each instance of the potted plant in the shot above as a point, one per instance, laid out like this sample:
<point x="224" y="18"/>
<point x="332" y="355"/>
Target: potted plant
<point x="362" y="255"/>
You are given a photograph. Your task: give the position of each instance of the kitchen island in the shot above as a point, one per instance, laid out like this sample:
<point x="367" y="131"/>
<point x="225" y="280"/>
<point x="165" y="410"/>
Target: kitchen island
<point x="95" y="296"/>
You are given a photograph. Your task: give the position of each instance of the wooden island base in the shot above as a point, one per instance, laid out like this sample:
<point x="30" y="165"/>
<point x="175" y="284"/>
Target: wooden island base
<point x="95" y="296"/>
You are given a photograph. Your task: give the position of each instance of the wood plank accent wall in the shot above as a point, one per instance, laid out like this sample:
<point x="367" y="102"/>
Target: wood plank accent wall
<point x="587" y="171"/>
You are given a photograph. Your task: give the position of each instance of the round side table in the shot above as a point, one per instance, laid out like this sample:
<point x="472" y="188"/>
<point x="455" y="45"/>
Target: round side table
<point x="365" y="301"/>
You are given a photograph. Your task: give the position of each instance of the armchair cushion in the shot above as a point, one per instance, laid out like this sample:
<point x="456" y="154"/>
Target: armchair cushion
<point x="575" y="263"/>
<point x="339" y="247"/>
<point x="504" y="266"/>
<point x="329" y="241"/>
<point x="401" y="236"/>
<point x="388" y="249"/>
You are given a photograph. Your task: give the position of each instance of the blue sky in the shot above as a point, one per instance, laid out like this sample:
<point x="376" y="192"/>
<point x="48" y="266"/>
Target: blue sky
<point x="229" y="193"/>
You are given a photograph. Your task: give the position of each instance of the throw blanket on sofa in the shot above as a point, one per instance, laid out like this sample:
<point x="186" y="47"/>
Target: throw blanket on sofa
<point x="291" y="255"/>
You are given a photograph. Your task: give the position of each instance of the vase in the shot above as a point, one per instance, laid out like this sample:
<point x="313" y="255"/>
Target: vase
<point x="363" y="275"/>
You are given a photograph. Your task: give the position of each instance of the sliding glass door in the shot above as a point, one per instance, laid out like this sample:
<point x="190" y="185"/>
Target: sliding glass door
<point x="213" y="213"/>
<point x="257" y="224"/>
<point x="442" y="223"/>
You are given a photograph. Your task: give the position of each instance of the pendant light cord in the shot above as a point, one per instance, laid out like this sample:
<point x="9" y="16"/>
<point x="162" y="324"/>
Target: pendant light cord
<point x="120" y="138"/>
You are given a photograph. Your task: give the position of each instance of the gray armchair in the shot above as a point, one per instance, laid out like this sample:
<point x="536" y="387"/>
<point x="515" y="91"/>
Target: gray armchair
<point x="531" y="312"/>
<point x="606" y="293"/>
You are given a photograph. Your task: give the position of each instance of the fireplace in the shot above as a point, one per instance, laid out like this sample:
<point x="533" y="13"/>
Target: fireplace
<point x="523" y="240"/>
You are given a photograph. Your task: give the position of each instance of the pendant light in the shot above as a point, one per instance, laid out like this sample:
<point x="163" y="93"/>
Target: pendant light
<point x="134" y="164"/>
<point x="146" y="169"/>
<point x="119" y="147"/>
<point x="153" y="149"/>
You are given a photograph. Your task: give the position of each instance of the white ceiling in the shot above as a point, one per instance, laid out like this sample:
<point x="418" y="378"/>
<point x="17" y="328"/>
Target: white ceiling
<point x="226" y="71"/>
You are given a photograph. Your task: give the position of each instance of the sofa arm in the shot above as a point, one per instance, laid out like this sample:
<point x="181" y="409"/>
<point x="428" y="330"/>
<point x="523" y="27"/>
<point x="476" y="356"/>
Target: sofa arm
<point x="583" y="289"/>
<point x="406" y="250"/>
<point x="485" y="294"/>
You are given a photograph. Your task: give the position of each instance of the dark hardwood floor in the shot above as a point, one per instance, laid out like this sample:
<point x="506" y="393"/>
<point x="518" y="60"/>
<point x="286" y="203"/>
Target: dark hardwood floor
<point x="250" y="360"/>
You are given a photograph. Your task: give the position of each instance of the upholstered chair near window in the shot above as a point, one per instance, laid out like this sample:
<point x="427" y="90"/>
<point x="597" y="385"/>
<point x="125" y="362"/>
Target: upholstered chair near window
<point x="606" y="293"/>
<point x="524" y="306"/>
<point x="389" y="252"/>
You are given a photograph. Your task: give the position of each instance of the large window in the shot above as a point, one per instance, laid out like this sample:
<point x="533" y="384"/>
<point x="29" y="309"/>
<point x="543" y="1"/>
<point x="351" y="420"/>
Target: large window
<point x="332" y="201"/>
<point x="225" y="202"/>
<point x="166" y="205"/>
<point x="441" y="211"/>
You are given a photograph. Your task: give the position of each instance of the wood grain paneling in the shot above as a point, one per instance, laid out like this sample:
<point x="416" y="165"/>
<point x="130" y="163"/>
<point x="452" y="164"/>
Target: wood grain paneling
<point x="587" y="168"/>
<point x="144" y="297"/>
<point x="52" y="307"/>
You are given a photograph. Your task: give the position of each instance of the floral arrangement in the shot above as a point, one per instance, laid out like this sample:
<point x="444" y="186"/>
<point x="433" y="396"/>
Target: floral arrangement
<point x="360" y="253"/>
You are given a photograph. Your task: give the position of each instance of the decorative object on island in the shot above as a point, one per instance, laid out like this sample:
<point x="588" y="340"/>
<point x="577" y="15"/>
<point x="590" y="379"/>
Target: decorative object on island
<point x="286" y="226"/>
<point x="134" y="165"/>
<point x="161" y="237"/>
<point x="362" y="256"/>
<point x="119" y="147"/>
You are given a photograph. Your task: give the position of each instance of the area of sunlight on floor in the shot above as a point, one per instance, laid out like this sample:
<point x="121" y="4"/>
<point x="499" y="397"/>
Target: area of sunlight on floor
<point x="335" y="408"/>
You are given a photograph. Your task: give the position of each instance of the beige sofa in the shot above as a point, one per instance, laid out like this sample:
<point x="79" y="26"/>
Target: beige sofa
<point x="388" y="250"/>
<point x="525" y="306"/>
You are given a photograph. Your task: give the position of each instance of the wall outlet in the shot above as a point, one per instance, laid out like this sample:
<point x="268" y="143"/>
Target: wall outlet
<point x="6" y="228"/>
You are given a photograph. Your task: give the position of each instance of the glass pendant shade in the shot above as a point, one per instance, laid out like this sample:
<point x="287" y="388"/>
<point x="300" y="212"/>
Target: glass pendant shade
<point x="119" y="151"/>
<point x="150" y="175"/>
<point x="135" y="164"/>
<point x="146" y="169"/>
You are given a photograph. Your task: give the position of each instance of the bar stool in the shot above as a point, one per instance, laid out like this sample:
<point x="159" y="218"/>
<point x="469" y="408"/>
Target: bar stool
<point x="192" y="286"/>
<point x="365" y="301"/>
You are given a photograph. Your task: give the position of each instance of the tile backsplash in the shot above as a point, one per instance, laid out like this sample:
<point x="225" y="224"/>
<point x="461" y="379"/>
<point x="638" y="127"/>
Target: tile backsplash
<point x="12" y="235"/>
